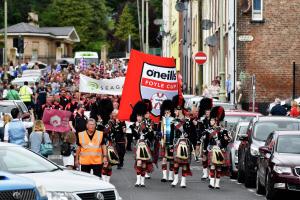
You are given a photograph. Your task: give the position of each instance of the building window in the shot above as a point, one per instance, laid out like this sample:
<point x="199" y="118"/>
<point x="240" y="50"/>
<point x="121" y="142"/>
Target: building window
<point x="257" y="10"/>
<point x="34" y="56"/>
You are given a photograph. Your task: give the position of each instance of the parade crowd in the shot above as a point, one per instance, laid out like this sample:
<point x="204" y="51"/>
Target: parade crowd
<point x="98" y="140"/>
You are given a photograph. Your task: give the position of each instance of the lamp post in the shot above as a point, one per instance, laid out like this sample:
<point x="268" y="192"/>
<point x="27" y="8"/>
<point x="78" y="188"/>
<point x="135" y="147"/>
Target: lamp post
<point x="147" y="27"/>
<point x="5" y="32"/>
<point x="221" y="58"/>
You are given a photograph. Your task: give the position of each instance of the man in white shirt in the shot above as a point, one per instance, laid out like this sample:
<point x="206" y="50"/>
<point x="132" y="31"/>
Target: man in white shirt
<point x="16" y="131"/>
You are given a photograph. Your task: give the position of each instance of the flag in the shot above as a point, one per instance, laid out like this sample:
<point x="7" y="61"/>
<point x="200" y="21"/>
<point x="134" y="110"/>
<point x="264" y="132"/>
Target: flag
<point x="103" y="86"/>
<point x="148" y="77"/>
<point x="56" y="120"/>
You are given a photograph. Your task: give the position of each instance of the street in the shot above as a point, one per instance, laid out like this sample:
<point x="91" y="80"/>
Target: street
<point x="125" y="178"/>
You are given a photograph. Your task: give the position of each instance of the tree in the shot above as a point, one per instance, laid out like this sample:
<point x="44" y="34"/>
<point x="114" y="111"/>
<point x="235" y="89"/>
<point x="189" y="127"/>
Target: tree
<point x="126" y="26"/>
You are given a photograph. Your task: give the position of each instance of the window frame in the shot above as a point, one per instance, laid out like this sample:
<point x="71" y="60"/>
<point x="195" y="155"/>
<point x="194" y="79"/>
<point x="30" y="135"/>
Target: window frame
<point x="257" y="15"/>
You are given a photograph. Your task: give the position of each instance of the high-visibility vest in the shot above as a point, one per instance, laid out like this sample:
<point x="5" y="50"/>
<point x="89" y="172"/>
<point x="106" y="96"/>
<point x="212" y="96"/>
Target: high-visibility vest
<point x="90" y="150"/>
<point x="25" y="96"/>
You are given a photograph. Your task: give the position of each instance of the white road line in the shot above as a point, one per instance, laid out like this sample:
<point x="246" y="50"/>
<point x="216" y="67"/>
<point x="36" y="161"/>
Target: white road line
<point x="250" y="190"/>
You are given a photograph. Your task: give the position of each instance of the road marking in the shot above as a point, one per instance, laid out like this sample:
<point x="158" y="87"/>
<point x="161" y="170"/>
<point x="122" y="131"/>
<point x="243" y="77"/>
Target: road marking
<point x="250" y="190"/>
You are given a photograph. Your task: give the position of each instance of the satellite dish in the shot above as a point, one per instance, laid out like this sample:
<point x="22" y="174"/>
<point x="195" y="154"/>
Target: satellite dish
<point x="180" y="7"/>
<point x="211" y="41"/>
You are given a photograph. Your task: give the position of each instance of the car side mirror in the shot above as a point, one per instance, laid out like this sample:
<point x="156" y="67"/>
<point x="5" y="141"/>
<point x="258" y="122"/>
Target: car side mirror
<point x="264" y="150"/>
<point x="243" y="137"/>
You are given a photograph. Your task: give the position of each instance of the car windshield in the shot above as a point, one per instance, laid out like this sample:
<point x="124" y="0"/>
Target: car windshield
<point x="18" y="160"/>
<point x="242" y="131"/>
<point x="288" y="144"/>
<point x="233" y="120"/>
<point x="263" y="129"/>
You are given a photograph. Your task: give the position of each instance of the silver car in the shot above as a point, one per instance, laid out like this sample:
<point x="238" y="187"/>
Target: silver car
<point x="57" y="182"/>
<point x="240" y="130"/>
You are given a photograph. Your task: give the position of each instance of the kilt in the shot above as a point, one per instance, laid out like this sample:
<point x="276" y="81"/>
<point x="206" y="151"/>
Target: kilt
<point x="226" y="159"/>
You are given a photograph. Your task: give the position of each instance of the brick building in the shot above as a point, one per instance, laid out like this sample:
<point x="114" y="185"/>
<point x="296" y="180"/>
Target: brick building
<point x="268" y="43"/>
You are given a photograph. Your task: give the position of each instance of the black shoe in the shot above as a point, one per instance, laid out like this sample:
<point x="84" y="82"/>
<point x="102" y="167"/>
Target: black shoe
<point x="148" y="177"/>
<point x="170" y="181"/>
<point x="172" y="186"/>
<point x="211" y="187"/>
<point x="204" y="179"/>
<point x="218" y="188"/>
<point x="136" y="185"/>
<point x="163" y="180"/>
<point x="143" y="185"/>
<point x="119" y="167"/>
<point x="183" y="186"/>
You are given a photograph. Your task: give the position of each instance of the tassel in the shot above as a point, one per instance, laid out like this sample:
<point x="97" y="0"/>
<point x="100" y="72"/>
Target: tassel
<point x="221" y="157"/>
<point x="141" y="153"/>
<point x="145" y="153"/>
<point x="181" y="151"/>
<point x="185" y="152"/>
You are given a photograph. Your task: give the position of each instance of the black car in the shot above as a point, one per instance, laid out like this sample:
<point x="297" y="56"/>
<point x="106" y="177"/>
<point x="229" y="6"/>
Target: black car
<point x="279" y="164"/>
<point x="258" y="131"/>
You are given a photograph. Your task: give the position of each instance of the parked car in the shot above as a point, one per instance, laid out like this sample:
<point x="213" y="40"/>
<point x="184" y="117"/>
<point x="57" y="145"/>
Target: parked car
<point x="233" y="117"/>
<point x="7" y="105"/>
<point x="17" y="187"/>
<point x="195" y="101"/>
<point x="257" y="133"/>
<point x="239" y="131"/>
<point x="279" y="164"/>
<point x="59" y="183"/>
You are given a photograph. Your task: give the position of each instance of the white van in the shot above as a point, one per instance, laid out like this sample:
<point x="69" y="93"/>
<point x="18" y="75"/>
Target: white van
<point x="87" y="56"/>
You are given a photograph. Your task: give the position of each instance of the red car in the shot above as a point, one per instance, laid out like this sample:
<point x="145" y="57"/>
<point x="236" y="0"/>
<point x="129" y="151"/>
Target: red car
<point x="279" y="164"/>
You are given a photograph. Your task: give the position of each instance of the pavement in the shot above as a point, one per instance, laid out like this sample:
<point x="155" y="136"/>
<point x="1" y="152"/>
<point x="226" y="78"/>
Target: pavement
<point x="125" y="178"/>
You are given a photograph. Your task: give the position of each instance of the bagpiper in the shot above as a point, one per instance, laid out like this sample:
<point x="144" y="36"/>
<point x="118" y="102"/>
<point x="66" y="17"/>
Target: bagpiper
<point x="167" y="130"/>
<point x="216" y="144"/>
<point x="143" y="157"/>
<point x="104" y="112"/>
<point x="203" y="127"/>
<point x="149" y="128"/>
<point x="181" y="143"/>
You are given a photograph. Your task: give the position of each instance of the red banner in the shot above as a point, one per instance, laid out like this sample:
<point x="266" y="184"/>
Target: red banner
<point x="148" y="77"/>
<point x="56" y="120"/>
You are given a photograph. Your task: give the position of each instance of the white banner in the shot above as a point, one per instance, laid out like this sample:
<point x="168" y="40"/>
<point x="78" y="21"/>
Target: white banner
<point x="102" y="86"/>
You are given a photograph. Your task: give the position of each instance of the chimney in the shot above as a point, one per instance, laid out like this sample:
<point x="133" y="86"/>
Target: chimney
<point x="33" y="19"/>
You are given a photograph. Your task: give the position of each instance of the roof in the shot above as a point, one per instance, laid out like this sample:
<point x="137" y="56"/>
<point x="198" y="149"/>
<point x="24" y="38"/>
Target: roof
<point x="287" y="132"/>
<point x="56" y="32"/>
<point x="277" y="118"/>
<point x="241" y="113"/>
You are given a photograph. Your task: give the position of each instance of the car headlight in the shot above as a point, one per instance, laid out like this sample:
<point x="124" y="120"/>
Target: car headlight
<point x="254" y="151"/>
<point x="282" y="170"/>
<point x="60" y="196"/>
<point x="42" y="190"/>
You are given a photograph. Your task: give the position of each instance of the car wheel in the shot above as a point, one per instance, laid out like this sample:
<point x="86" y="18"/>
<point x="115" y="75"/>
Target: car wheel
<point x="270" y="190"/>
<point x="232" y="173"/>
<point x="259" y="187"/>
<point x="249" y="179"/>
<point x="240" y="174"/>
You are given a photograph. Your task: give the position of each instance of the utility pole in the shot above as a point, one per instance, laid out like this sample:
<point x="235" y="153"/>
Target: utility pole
<point x="221" y="58"/>
<point x="147" y="26"/>
<point x="143" y="29"/>
<point x="139" y="20"/>
<point x="5" y="32"/>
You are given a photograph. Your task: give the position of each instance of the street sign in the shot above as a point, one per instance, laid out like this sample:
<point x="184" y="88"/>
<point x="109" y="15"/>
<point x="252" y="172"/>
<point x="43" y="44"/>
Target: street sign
<point x="246" y="38"/>
<point x="200" y="58"/>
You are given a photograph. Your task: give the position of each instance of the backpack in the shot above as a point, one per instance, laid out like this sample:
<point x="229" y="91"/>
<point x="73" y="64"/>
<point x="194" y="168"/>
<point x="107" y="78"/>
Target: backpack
<point x="65" y="149"/>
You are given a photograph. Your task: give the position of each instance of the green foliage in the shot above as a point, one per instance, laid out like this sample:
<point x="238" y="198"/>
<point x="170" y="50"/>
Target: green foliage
<point x="126" y="26"/>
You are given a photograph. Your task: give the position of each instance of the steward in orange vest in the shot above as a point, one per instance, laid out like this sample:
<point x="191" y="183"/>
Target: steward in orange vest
<point x="91" y="151"/>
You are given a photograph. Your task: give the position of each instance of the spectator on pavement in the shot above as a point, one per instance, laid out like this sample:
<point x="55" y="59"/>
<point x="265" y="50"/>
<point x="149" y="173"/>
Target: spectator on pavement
<point x="91" y="153"/>
<point x="295" y="110"/>
<point x="278" y="109"/>
<point x="36" y="137"/>
<point x="16" y="131"/>
<point x="6" y="119"/>
<point x="239" y="95"/>
<point x="69" y="147"/>
<point x="214" y="89"/>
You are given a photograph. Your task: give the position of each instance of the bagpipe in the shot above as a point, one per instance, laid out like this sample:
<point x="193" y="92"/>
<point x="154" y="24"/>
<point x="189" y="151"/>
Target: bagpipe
<point x="113" y="157"/>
